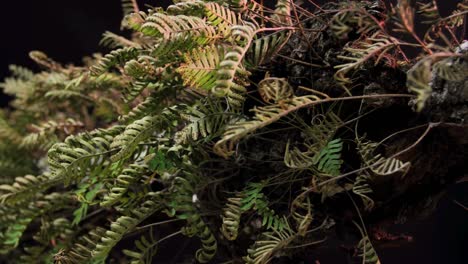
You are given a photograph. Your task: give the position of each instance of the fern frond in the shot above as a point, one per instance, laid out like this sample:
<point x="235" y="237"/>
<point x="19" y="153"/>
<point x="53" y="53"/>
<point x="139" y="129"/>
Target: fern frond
<point x="168" y="27"/>
<point x="231" y="66"/>
<point x="146" y="250"/>
<point x="152" y="104"/>
<point x="45" y="135"/>
<point x="222" y="18"/>
<point x="81" y="154"/>
<point x="128" y="177"/>
<point x="115" y="57"/>
<point x="125" y="224"/>
<point x="429" y="11"/>
<point x="136" y="132"/>
<point x="200" y="67"/>
<point x="418" y="78"/>
<point x="264" y="116"/>
<point x="297" y="159"/>
<point x="182" y="193"/>
<point x="362" y="188"/>
<point x="114" y="41"/>
<point x="231" y="217"/>
<point x="274" y="89"/>
<point x="282" y="13"/>
<point x="328" y="160"/>
<point x="81" y="251"/>
<point x="24" y="188"/>
<point x="188" y="8"/>
<point x="263" y="49"/>
<point x="378" y="45"/>
<point x="268" y="244"/>
<point x="367" y="251"/>
<point x="8" y="133"/>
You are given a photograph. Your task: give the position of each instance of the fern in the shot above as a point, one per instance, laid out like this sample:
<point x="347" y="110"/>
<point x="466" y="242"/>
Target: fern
<point x="418" y="78"/>
<point x="274" y="89"/>
<point x="116" y="57"/>
<point x="377" y="46"/>
<point x="200" y="67"/>
<point x="362" y="188"/>
<point x="328" y="160"/>
<point x="268" y="244"/>
<point x="146" y="250"/>
<point x="263" y="117"/>
<point x="231" y="66"/>
<point x="222" y="18"/>
<point x="263" y="49"/>
<point x="123" y="225"/>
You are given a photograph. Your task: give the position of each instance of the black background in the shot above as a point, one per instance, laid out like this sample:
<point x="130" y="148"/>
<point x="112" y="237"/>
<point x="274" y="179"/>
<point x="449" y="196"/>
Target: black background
<point x="69" y="30"/>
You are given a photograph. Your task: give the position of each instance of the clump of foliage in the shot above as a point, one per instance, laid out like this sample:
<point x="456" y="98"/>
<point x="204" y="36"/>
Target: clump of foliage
<point x="191" y="127"/>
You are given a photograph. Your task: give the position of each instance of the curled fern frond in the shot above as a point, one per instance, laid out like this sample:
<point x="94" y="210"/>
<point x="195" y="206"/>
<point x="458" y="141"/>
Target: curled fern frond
<point x="418" y="78"/>
<point x="273" y="89"/>
<point x="231" y="217"/>
<point x="231" y="66"/>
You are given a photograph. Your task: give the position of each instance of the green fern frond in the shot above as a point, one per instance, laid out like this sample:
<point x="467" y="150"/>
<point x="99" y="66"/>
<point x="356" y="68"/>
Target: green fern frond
<point x="328" y="160"/>
<point x="152" y="104"/>
<point x="138" y="131"/>
<point x="146" y="250"/>
<point x="122" y="183"/>
<point x="125" y="224"/>
<point x="183" y="206"/>
<point x="200" y="67"/>
<point x="222" y="18"/>
<point x="24" y="188"/>
<point x="81" y="154"/>
<point x="367" y="251"/>
<point x="81" y="250"/>
<point x="264" y="116"/>
<point x="8" y="133"/>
